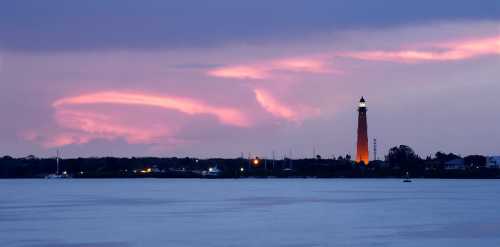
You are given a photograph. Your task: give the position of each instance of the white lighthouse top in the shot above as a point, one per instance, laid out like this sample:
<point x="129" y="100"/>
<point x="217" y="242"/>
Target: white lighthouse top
<point x="362" y="102"/>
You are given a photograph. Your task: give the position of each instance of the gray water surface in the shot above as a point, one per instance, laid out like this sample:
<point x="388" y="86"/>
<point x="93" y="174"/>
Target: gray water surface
<point x="249" y="212"/>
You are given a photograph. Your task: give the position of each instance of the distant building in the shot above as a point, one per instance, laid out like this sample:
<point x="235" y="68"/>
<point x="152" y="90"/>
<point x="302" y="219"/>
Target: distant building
<point x="362" y="144"/>
<point x="156" y="169"/>
<point x="455" y="164"/>
<point x="493" y="162"/>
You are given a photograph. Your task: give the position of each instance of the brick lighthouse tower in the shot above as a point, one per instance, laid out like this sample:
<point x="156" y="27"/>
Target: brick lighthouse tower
<point x="362" y="145"/>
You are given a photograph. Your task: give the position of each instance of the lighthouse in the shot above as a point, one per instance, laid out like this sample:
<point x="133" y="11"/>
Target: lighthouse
<point x="362" y="144"/>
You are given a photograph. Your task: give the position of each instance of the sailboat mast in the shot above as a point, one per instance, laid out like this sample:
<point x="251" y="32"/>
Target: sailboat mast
<point x="57" y="162"/>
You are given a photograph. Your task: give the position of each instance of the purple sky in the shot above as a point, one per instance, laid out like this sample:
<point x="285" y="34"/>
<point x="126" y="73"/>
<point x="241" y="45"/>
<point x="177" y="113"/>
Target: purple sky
<point x="218" y="78"/>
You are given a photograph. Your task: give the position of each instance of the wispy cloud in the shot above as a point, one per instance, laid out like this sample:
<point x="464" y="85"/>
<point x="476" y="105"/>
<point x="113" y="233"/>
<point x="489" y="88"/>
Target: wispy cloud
<point x="106" y="115"/>
<point x="266" y="69"/>
<point x="273" y="106"/>
<point x="226" y="115"/>
<point x="240" y="72"/>
<point x="451" y="51"/>
<point x="306" y="65"/>
<point x="314" y="64"/>
<point x="282" y="110"/>
<point x="105" y="126"/>
<point x="81" y="118"/>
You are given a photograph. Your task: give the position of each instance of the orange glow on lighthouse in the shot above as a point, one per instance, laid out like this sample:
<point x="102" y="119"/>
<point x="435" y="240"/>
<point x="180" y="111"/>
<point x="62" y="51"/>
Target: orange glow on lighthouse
<point x="362" y="145"/>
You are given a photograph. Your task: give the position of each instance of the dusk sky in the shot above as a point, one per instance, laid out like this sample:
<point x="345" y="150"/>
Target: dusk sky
<point x="218" y="78"/>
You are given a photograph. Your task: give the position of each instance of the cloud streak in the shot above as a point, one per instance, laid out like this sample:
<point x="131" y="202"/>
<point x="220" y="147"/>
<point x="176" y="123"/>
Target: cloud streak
<point x="452" y="51"/>
<point x="314" y="64"/>
<point x="106" y="115"/>
<point x="226" y="115"/>
<point x="82" y="118"/>
<point x="282" y="110"/>
<point x="267" y="69"/>
<point x="240" y="72"/>
<point x="273" y="106"/>
<point x="105" y="126"/>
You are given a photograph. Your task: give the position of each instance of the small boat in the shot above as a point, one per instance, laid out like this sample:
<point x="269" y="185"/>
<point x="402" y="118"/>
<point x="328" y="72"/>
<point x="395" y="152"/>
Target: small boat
<point x="58" y="174"/>
<point x="213" y="172"/>
<point x="407" y="179"/>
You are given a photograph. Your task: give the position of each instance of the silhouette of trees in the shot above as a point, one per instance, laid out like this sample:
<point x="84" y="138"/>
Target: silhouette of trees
<point x="400" y="155"/>
<point x="443" y="157"/>
<point x="398" y="161"/>
<point x="475" y="161"/>
<point x="405" y="159"/>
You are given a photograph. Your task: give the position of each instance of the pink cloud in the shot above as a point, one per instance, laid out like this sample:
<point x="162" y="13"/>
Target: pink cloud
<point x="266" y="69"/>
<point x="439" y="52"/>
<point x="226" y="115"/>
<point x="49" y="139"/>
<point x="83" y="118"/>
<point x="80" y="121"/>
<point x="78" y="126"/>
<point x="273" y="106"/>
<point x="279" y="109"/>
<point x="100" y="125"/>
<point x="66" y="138"/>
<point x="309" y="65"/>
<point x="477" y="47"/>
<point x="240" y="72"/>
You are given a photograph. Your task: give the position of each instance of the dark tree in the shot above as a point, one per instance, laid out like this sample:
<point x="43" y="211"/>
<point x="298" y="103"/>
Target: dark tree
<point x="443" y="157"/>
<point x="404" y="158"/>
<point x="348" y="157"/>
<point x="475" y="161"/>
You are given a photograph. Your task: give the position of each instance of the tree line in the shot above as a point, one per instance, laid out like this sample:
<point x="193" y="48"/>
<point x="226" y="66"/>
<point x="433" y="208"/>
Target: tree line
<point x="399" y="160"/>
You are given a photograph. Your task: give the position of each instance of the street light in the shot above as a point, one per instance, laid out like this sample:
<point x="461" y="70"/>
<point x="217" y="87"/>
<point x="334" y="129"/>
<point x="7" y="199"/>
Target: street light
<point x="256" y="162"/>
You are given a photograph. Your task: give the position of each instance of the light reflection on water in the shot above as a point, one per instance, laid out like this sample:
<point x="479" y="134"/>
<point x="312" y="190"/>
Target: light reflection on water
<point x="249" y="212"/>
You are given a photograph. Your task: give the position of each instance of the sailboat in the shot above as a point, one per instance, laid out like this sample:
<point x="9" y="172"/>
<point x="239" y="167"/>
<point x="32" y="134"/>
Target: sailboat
<point x="407" y="178"/>
<point x="213" y="172"/>
<point x="58" y="174"/>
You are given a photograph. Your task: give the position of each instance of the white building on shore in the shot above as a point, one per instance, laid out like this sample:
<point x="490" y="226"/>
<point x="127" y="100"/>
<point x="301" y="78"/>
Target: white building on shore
<point x="493" y="162"/>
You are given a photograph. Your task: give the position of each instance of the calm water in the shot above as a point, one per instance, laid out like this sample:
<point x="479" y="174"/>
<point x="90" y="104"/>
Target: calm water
<point x="249" y="212"/>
